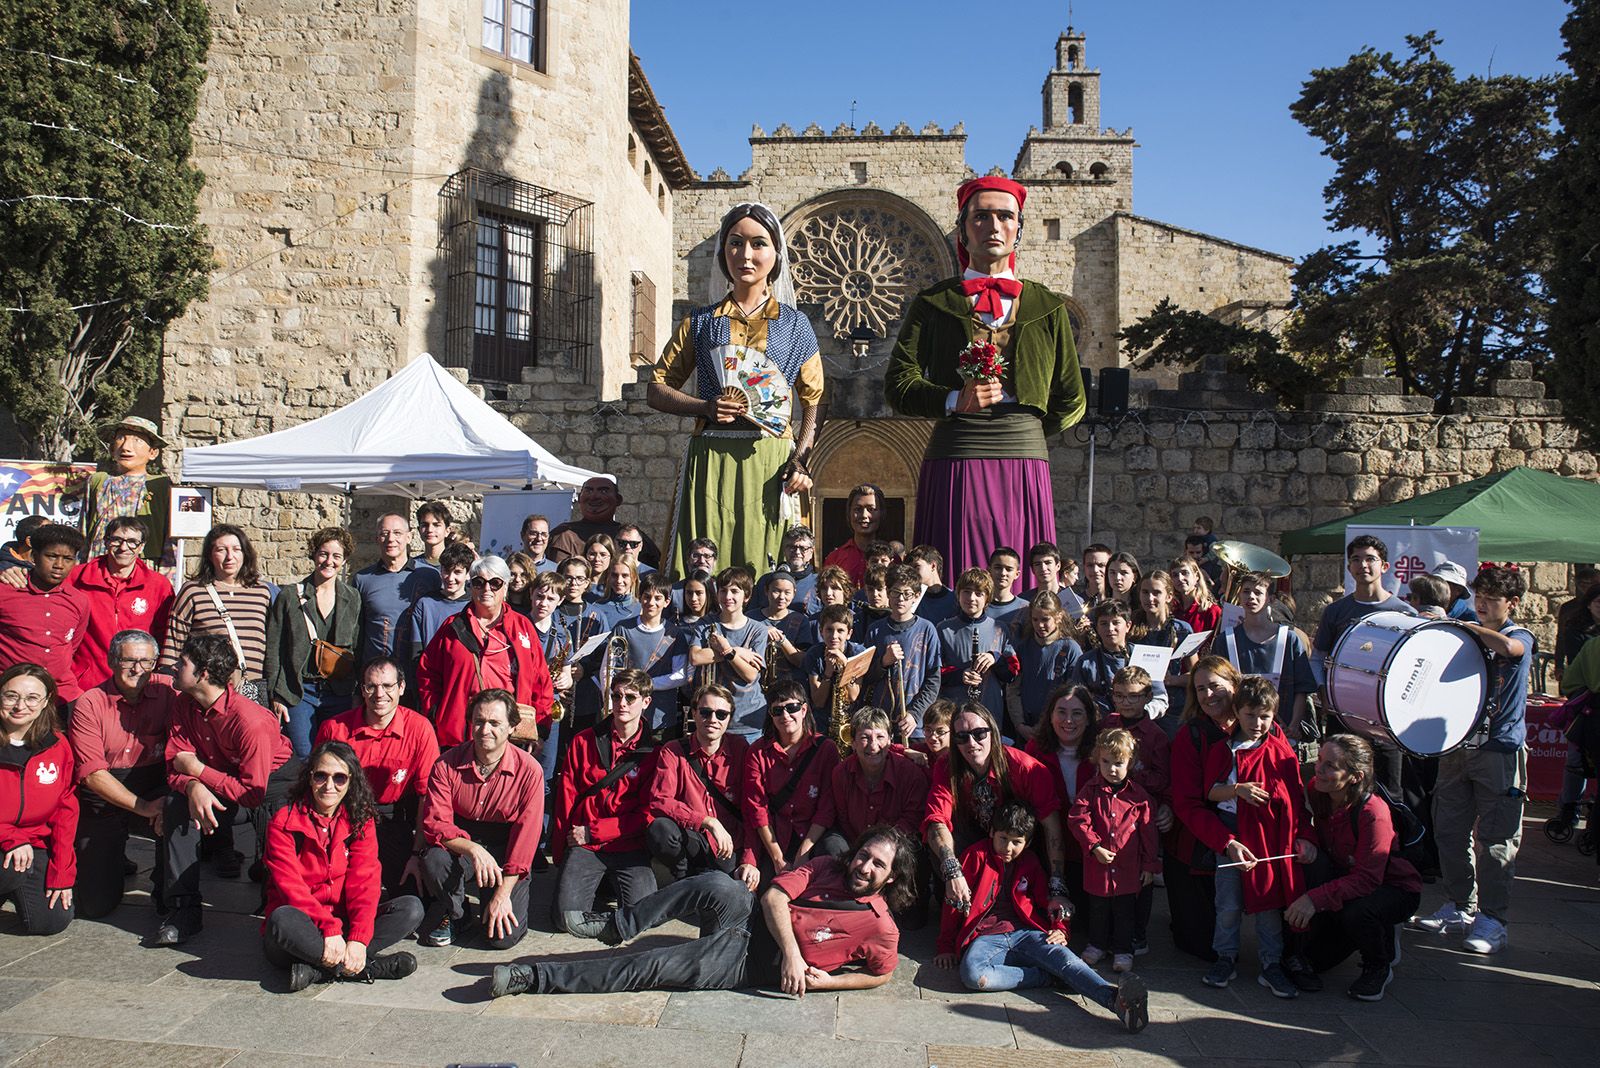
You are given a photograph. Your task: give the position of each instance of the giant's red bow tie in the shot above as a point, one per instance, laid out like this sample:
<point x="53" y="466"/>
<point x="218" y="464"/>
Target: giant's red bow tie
<point x="989" y="291"/>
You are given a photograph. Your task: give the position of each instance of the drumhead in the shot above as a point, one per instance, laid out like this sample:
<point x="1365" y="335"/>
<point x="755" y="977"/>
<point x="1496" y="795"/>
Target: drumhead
<point x="1435" y="689"/>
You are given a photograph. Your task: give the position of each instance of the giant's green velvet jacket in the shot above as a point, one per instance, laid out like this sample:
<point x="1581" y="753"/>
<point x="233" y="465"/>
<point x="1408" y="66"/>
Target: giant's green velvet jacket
<point x="938" y="325"/>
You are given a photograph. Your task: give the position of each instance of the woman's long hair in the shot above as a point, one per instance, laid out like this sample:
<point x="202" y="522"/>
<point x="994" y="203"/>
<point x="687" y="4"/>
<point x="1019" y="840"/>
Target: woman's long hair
<point x="359" y="804"/>
<point x="1356" y="752"/>
<point x="1045" y="739"/>
<point x="962" y="773"/>
<point x="1217" y="665"/>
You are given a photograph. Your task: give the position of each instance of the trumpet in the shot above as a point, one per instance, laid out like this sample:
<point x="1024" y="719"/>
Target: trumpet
<point x="975" y="693"/>
<point x="1239" y="558"/>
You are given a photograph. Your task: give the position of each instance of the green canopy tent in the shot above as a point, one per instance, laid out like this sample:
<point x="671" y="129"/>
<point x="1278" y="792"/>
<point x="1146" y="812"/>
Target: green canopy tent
<point x="1521" y="514"/>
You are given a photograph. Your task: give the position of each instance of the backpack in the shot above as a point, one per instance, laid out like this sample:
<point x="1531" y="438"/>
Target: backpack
<point x="1409" y="831"/>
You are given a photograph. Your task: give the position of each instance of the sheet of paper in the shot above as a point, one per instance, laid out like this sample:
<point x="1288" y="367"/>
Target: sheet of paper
<point x="1191" y="643"/>
<point x="1232" y="616"/>
<point x="1153" y="658"/>
<point x="591" y="645"/>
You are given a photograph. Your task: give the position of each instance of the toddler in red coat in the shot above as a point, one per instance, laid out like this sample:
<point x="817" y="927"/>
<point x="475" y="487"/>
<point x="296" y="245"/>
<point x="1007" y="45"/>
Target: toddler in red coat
<point x="1114" y="820"/>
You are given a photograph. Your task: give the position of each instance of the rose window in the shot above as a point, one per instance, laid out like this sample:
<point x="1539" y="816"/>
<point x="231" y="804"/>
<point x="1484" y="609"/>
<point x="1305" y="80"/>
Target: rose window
<point x="862" y="265"/>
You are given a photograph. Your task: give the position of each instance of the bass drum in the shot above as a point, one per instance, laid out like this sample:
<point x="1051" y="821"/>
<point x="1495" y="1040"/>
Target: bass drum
<point x="1420" y="683"/>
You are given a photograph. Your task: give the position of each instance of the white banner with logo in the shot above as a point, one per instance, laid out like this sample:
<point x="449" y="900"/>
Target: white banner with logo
<point x="1417" y="551"/>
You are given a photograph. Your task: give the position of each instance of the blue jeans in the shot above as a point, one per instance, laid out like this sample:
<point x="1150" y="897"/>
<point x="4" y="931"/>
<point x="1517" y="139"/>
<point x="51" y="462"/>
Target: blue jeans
<point x="316" y="704"/>
<point x="1021" y="959"/>
<point x="1230" y="913"/>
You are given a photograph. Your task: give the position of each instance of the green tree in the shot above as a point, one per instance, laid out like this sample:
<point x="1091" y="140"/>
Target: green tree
<point x="1443" y="176"/>
<point x="99" y="245"/>
<point x="1574" y="276"/>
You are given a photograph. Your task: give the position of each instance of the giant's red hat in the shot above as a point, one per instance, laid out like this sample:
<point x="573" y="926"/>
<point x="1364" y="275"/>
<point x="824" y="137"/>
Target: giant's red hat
<point x="994" y="182"/>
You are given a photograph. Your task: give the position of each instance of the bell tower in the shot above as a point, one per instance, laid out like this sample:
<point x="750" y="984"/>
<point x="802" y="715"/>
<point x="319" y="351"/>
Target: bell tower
<point x="1073" y="146"/>
<point x="1072" y="89"/>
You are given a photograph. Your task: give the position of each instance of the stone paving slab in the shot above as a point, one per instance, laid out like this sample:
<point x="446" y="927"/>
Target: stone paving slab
<point x="277" y="1023"/>
<point x="600" y="1046"/>
<point x="766" y="1012"/>
<point x="641" y="1009"/>
<point x="14" y="1047"/>
<point x="1431" y="1042"/>
<point x="87" y="1009"/>
<point x="976" y="1057"/>
<point x="1072" y="1025"/>
<point x="77" y="1052"/>
<point x="967" y="1023"/>
<point x="1319" y="1038"/>
<point x="802" y="1051"/>
<point x="438" y="987"/>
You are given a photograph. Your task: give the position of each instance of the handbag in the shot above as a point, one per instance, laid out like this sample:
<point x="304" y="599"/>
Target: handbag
<point x="248" y="688"/>
<point x="331" y="662"/>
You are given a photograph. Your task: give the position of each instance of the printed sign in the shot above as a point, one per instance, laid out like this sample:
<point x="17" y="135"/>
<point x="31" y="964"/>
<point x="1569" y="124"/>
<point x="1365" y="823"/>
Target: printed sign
<point x="30" y="487"/>
<point x="1417" y="551"/>
<point x="504" y="511"/>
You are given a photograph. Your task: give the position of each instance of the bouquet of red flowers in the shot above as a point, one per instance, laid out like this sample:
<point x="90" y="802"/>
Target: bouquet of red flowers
<point x="980" y="360"/>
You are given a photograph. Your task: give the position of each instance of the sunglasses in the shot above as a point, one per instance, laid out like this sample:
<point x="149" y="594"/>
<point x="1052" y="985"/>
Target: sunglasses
<point x="630" y="544"/>
<point x="626" y="697"/>
<point x="481" y="583"/>
<point x="714" y="713"/>
<point x="338" y="778"/>
<point x="976" y="734"/>
<point x="788" y="708"/>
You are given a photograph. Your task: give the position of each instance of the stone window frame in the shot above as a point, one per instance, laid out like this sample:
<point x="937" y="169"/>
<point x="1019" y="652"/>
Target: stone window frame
<point x="539" y="32"/>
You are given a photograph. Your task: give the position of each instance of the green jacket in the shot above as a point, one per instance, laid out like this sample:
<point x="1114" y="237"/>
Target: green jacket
<point x="938" y="325"/>
<point x="289" y="645"/>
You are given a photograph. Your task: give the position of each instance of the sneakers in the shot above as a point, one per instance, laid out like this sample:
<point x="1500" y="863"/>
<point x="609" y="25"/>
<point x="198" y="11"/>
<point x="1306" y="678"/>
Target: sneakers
<point x="1276" y="980"/>
<point x="1301" y="974"/>
<point x="1488" y="935"/>
<point x="1093" y="955"/>
<point x="1141" y="946"/>
<point x="1122" y="962"/>
<point x="303" y="975"/>
<point x="1132" y="1004"/>
<point x="388" y="966"/>
<point x="1221" y="974"/>
<point x="585" y="924"/>
<point x="1374" y="980"/>
<point x="513" y="979"/>
<point x="441" y="935"/>
<point x="1446" y="920"/>
<point x="182" y="925"/>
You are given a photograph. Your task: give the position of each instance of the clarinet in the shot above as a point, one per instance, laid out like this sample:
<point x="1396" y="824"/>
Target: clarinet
<point x="975" y="693"/>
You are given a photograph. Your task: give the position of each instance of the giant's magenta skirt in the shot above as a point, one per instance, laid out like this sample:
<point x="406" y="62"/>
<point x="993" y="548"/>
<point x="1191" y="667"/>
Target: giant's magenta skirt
<point x="968" y="508"/>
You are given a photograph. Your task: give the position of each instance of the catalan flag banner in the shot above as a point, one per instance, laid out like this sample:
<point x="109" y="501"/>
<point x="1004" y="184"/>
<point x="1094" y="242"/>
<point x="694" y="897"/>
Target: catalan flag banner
<point x="31" y="487"/>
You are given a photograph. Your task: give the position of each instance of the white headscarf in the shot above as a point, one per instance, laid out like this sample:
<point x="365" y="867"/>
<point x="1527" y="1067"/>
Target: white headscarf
<point x="781" y="283"/>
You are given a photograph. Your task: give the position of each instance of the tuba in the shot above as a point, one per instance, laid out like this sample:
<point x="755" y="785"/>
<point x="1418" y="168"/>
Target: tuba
<point x="1238" y="559"/>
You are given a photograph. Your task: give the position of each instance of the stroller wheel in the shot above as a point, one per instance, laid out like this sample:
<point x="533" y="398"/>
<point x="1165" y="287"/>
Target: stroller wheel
<point x="1558" y="831"/>
<point x="1586" y="843"/>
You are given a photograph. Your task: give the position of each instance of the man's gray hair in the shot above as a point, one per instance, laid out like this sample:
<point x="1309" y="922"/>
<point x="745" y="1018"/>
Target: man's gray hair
<point x="125" y="638"/>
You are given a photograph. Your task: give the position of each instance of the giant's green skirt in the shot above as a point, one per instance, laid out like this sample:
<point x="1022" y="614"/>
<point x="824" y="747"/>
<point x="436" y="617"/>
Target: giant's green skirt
<point x="730" y="492"/>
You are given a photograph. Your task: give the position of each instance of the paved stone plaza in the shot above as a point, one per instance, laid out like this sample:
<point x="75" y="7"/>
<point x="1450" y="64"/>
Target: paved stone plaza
<point x="93" y="996"/>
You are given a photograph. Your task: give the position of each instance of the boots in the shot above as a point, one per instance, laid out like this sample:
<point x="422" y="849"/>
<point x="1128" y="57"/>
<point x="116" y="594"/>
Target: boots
<point x="389" y="966"/>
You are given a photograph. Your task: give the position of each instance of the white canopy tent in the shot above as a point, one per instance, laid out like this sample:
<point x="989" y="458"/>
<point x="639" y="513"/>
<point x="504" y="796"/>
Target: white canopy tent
<point x="420" y="434"/>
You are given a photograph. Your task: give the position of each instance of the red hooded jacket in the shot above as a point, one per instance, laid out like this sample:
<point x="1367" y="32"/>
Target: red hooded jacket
<point x="317" y="866"/>
<point x="447" y="674"/>
<point x="39" y="807"/>
<point x="1124" y="821"/>
<point x="983" y="869"/>
<point x="1085" y="772"/>
<point x="1197" y="820"/>
<point x="1268" y="829"/>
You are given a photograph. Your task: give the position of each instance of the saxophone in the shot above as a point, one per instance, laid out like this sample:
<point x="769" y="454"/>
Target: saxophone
<point x="839" y="715"/>
<point x="556" y="662"/>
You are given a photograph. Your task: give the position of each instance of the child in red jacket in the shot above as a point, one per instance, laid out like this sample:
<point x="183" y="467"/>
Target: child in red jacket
<point x="1008" y="939"/>
<point x="1132" y="691"/>
<point x="1114" y="820"/>
<point x="1260" y="804"/>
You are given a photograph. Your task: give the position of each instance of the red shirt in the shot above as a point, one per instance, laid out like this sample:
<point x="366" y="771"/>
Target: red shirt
<point x="899" y="798"/>
<point x="448" y="676"/>
<point x="39" y="807"/>
<point x="1124" y="821"/>
<point x="315" y="864"/>
<point x="1364" y="850"/>
<point x="110" y="732"/>
<point x="513" y="793"/>
<point x="1030" y="783"/>
<point x="1152" y="760"/>
<point x="831" y="938"/>
<point x="852" y="559"/>
<point x="616" y="816"/>
<point x="43" y="628"/>
<point x="142" y="601"/>
<point x="237" y="740"/>
<point x="397" y="758"/>
<point x="677" y="793"/>
<point x="769" y="769"/>
<point x="983" y="869"/>
<point x="1201" y="619"/>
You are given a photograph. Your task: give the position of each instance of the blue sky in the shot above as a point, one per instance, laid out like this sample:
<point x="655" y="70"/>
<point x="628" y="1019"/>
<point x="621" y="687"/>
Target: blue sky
<point x="1205" y="87"/>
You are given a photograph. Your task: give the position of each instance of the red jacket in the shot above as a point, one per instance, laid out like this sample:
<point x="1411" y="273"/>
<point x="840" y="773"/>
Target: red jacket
<point x="616" y="816"/>
<point x="1122" y="820"/>
<point x="1361" y="845"/>
<point x="319" y="867"/>
<point x="39" y="807"/>
<point x="1030" y="782"/>
<point x="142" y="601"/>
<point x="237" y="740"/>
<point x="1269" y="829"/>
<point x="1196" y="819"/>
<point x="677" y="793"/>
<point x="1152" y="761"/>
<point x="1030" y="896"/>
<point x="767" y="770"/>
<point x="447" y="674"/>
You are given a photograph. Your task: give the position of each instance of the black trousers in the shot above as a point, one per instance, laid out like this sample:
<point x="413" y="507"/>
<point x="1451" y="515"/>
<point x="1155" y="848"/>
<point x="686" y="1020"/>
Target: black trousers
<point x="178" y="861"/>
<point x="686" y="852"/>
<point x="102" y="839"/>
<point x="734" y="948"/>
<point x="396" y="831"/>
<point x="27" y="889"/>
<point x="1365" y="925"/>
<point x="291" y="936"/>
<point x="1111" y="922"/>
<point x="447" y="878"/>
<point x="582" y="871"/>
<point x="1192" y="903"/>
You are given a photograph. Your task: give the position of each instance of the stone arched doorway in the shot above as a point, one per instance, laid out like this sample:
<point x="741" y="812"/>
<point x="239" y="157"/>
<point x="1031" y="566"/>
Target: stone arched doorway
<point x="885" y="452"/>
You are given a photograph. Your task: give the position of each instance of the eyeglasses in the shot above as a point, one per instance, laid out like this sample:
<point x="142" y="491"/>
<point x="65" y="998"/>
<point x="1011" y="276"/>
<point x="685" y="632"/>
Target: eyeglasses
<point x="625" y="697"/>
<point x="976" y="734"/>
<point x="323" y="778"/>
<point x="481" y="583"/>
<point x="630" y="544"/>
<point x="375" y="687"/>
<point x="143" y="663"/>
<point x="537" y="535"/>
<point x="26" y="700"/>
<point x="788" y="708"/>
<point x="1138" y="695"/>
<point x="573" y="580"/>
<point x="714" y="713"/>
<point x="124" y="543"/>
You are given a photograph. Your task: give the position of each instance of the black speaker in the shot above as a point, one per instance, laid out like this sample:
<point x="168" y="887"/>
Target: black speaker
<point x="1114" y="391"/>
<point x="1088" y="383"/>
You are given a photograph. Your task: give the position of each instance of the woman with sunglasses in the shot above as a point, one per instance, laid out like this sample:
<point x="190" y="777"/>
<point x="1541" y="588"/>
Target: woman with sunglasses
<point x="38" y="807"/>
<point x="968" y="787"/>
<point x="323" y="920"/>
<point x="785" y="776"/>
<point x="484" y="646"/>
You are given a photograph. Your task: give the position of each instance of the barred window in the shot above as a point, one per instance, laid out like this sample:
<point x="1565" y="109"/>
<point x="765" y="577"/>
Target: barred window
<point x="512" y="28"/>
